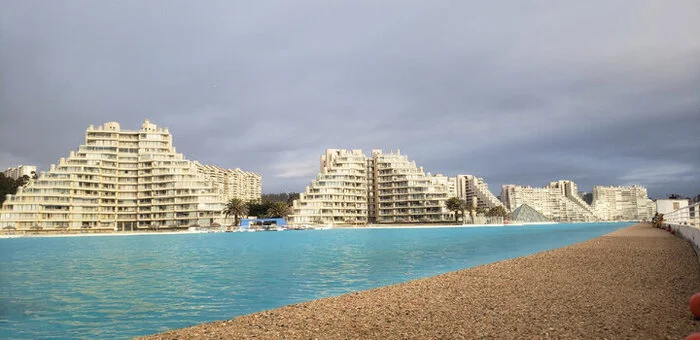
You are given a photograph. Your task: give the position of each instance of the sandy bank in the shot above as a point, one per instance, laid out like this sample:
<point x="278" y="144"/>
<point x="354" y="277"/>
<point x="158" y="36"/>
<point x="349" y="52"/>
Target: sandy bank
<point x="633" y="283"/>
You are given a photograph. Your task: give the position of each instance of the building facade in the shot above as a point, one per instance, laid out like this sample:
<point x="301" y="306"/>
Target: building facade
<point x="614" y="203"/>
<point x="475" y="190"/>
<point x="404" y="193"/>
<point x="384" y="188"/>
<point x="558" y="202"/>
<point x="338" y="195"/>
<point x="126" y="180"/>
<point x="20" y="171"/>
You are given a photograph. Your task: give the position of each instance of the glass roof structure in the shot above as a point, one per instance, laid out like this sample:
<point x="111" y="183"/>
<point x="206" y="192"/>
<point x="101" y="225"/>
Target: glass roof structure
<point x="527" y="214"/>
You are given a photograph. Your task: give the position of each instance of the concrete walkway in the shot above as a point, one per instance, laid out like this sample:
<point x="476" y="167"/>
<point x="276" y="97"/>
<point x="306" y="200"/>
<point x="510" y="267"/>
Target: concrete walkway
<point x="633" y="283"/>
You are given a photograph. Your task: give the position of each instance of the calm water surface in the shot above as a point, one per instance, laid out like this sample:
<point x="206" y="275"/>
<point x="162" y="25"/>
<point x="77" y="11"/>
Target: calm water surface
<point x="119" y="287"/>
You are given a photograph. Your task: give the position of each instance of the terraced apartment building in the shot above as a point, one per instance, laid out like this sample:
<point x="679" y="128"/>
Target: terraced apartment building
<point x="559" y="201"/>
<point x="352" y="188"/>
<point x="403" y="193"/>
<point x="126" y="180"/>
<point x="475" y="190"/>
<point x="338" y="194"/>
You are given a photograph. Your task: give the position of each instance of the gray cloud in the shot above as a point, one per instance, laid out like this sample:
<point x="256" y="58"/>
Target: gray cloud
<point x="601" y="92"/>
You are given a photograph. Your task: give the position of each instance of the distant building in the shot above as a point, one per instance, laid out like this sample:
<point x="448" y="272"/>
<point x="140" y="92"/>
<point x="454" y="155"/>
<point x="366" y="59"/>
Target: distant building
<point x="475" y="190"/>
<point x="558" y="202"/>
<point x="20" y="171"/>
<point x="613" y="203"/>
<point x="352" y="188"/>
<point x="127" y="180"/>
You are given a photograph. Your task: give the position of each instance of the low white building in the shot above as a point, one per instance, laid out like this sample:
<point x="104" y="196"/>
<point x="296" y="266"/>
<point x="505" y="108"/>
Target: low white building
<point x="19" y="171"/>
<point x="674" y="210"/>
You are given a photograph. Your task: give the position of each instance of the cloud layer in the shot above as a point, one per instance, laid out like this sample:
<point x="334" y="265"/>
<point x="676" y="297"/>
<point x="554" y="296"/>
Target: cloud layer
<point x="600" y="92"/>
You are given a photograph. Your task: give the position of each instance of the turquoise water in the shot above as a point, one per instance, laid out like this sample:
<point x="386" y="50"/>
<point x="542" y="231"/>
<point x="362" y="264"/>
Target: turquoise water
<point x="119" y="287"/>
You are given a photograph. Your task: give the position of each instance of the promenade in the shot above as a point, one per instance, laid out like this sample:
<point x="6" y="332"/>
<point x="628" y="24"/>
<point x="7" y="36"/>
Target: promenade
<point x="633" y="283"/>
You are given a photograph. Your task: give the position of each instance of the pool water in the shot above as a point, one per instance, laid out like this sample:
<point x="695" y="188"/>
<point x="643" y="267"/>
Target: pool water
<point x="120" y="287"/>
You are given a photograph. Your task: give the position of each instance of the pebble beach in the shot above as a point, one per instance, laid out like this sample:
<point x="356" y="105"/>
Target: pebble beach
<point x="632" y="283"/>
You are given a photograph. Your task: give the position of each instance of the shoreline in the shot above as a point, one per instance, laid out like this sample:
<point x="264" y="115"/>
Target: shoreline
<point x="369" y="226"/>
<point x="632" y="283"/>
<point x="135" y="233"/>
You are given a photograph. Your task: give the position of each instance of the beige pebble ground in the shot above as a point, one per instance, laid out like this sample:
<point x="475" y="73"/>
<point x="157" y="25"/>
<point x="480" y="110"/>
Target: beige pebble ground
<point x="631" y="284"/>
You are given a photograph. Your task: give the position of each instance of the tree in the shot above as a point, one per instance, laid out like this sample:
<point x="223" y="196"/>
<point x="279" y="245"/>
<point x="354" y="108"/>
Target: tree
<point x="9" y="185"/>
<point x="454" y="204"/>
<point x="278" y="209"/>
<point x="498" y="211"/>
<point x="281" y="197"/>
<point x="235" y="207"/>
<point x="588" y="198"/>
<point x="258" y="209"/>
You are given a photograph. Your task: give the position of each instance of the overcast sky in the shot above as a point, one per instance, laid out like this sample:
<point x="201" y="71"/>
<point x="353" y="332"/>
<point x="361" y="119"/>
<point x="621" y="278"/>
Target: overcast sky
<point x="525" y="92"/>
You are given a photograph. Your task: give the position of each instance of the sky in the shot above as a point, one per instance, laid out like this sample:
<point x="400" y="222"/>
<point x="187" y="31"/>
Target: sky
<point x="601" y="92"/>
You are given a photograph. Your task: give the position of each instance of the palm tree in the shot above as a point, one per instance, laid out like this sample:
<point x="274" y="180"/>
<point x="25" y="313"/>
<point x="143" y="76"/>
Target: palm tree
<point x="469" y="206"/>
<point x="278" y="209"/>
<point x="456" y="205"/>
<point x="498" y="211"/>
<point x="235" y="207"/>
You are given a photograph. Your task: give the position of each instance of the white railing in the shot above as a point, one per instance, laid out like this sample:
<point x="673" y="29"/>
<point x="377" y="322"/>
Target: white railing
<point x="689" y="215"/>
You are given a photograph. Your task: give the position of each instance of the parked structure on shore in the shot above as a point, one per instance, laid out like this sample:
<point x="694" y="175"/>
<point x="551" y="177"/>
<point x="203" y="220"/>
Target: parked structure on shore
<point x="126" y="180"/>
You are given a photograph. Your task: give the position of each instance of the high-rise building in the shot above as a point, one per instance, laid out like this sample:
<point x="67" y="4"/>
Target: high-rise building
<point x="475" y="190"/>
<point x="559" y="201"/>
<point x="385" y="188"/>
<point x="20" y="171"/>
<point x="338" y="195"/>
<point x="126" y="180"/>
<point x="404" y="193"/>
<point x="622" y="203"/>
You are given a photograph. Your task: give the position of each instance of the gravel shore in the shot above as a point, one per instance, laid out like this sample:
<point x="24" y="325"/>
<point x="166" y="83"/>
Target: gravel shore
<point x="633" y="283"/>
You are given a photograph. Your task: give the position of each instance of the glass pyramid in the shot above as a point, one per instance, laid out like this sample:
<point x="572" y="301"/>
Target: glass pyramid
<point x="527" y="214"/>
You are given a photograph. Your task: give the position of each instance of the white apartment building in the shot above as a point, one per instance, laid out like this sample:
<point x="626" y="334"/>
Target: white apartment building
<point x="559" y="201"/>
<point x="404" y="193"/>
<point x="386" y="188"/>
<point x="474" y="189"/>
<point x="126" y="180"/>
<point x="233" y="182"/>
<point x="613" y="203"/>
<point x="338" y="195"/>
<point x="19" y="171"/>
